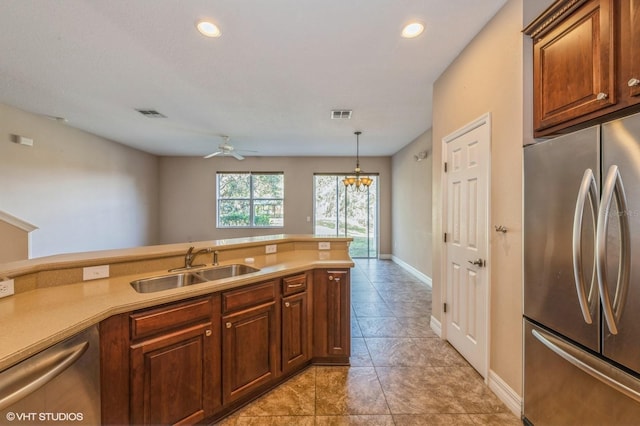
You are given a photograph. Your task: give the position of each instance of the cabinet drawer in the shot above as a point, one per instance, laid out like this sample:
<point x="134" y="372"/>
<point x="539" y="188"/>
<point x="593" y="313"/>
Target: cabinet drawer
<point x="250" y="296"/>
<point x="167" y="317"/>
<point x="294" y="284"/>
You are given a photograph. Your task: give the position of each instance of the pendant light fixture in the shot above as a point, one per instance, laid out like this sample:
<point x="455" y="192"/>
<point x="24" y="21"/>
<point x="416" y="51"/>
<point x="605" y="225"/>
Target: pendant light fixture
<point x="355" y="181"/>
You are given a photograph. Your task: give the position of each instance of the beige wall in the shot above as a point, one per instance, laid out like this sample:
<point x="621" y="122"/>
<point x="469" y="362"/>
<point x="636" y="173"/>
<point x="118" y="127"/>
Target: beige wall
<point x="83" y="192"/>
<point x="411" y="201"/>
<point x="488" y="77"/>
<point x="188" y="194"/>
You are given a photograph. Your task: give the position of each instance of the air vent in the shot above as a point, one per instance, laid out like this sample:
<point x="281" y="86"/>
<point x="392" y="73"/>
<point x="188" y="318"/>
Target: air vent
<point x="151" y="113"/>
<point x="341" y="114"/>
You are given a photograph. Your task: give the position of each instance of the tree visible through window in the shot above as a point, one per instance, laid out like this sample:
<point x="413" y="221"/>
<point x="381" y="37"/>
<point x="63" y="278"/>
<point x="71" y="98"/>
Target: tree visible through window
<point x="250" y="199"/>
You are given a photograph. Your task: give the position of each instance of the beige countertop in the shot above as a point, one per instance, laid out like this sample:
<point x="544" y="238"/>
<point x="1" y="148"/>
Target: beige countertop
<point x="34" y="320"/>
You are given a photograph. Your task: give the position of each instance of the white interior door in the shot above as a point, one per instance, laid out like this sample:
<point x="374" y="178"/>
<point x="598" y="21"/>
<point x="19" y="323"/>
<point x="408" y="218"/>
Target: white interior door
<point x="466" y="212"/>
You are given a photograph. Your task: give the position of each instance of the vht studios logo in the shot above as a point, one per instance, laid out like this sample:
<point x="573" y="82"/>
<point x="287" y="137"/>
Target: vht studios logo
<point x="44" y="417"/>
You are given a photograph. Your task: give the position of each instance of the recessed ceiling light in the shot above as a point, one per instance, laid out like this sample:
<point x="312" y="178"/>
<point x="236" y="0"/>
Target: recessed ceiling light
<point x="413" y="29"/>
<point x="208" y="29"/>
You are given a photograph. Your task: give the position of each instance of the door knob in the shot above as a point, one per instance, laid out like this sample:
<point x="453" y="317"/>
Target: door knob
<point x="478" y="262"/>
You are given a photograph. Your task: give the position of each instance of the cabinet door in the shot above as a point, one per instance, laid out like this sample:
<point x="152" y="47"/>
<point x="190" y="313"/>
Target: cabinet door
<point x="171" y="377"/>
<point x="574" y="66"/>
<point x="296" y="349"/>
<point x="332" y="315"/>
<point x="631" y="49"/>
<point x="249" y="350"/>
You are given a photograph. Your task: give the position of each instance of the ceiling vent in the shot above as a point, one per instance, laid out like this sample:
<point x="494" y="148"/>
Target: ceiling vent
<point x="151" y="113"/>
<point x="341" y="114"/>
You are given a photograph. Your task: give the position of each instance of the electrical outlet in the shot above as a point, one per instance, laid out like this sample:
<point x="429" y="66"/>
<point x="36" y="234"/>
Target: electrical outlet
<point x="95" y="272"/>
<point x="271" y="248"/>
<point x="324" y="245"/>
<point x="6" y="288"/>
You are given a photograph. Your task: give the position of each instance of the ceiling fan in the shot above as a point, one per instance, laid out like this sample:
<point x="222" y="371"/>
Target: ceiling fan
<point x="226" y="149"/>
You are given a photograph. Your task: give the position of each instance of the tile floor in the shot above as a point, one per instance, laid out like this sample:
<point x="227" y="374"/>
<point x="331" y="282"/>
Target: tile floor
<point x="401" y="373"/>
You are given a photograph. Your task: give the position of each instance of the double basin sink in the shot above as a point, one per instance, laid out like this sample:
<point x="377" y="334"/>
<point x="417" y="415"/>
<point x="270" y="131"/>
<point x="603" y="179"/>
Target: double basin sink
<point x="183" y="279"/>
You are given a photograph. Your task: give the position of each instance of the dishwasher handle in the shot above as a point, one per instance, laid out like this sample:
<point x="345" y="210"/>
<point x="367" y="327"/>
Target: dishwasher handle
<point x="30" y="375"/>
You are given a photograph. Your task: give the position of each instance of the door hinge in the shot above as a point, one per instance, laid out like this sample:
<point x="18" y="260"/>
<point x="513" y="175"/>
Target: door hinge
<point x="445" y="167"/>
<point x="444" y="307"/>
<point x="445" y="237"/>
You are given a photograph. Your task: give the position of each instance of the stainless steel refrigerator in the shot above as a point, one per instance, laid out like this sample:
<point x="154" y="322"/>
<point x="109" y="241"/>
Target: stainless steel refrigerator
<point x="582" y="277"/>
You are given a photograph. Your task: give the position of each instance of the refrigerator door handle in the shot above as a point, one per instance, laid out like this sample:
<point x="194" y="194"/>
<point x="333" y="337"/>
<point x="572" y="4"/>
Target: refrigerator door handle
<point x="596" y="368"/>
<point x="613" y="186"/>
<point x="588" y="188"/>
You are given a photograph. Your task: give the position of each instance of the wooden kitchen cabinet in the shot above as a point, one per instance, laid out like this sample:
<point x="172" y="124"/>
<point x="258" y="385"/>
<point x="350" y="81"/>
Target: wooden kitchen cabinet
<point x="249" y="340"/>
<point x="630" y="50"/>
<point x="296" y="322"/>
<point x="332" y="316"/>
<point x="174" y="370"/>
<point x="573" y="63"/>
<point x="199" y="359"/>
<point x="586" y="64"/>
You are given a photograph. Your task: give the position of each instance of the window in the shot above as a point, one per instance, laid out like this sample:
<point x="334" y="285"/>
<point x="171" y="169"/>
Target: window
<point x="250" y="200"/>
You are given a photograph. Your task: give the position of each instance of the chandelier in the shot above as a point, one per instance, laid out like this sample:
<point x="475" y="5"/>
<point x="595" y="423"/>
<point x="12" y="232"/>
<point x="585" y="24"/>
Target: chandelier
<point x="355" y="181"/>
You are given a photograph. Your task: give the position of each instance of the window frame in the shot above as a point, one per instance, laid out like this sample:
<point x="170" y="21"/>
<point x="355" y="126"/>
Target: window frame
<point x="252" y="200"/>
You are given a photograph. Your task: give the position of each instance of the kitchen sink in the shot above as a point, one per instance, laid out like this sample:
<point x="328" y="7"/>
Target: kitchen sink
<point x="166" y="282"/>
<point x="227" y="271"/>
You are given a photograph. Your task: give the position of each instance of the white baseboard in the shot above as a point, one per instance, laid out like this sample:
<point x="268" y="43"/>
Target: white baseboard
<point x="413" y="271"/>
<point x="436" y="326"/>
<point x="511" y="399"/>
<point x="384" y="256"/>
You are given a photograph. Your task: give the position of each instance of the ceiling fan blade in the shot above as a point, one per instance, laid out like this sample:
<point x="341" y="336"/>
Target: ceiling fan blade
<point x="213" y="154"/>
<point x="236" y="155"/>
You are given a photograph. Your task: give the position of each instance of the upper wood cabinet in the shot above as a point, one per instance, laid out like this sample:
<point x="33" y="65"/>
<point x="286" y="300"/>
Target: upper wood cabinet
<point x="585" y="54"/>
<point x="630" y="49"/>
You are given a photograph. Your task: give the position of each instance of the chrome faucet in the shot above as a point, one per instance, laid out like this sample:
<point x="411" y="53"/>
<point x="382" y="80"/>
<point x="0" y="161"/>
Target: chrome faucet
<point x="215" y="258"/>
<point x="189" y="257"/>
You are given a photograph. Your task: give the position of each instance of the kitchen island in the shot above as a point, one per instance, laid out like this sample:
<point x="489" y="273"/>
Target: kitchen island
<point x="240" y="336"/>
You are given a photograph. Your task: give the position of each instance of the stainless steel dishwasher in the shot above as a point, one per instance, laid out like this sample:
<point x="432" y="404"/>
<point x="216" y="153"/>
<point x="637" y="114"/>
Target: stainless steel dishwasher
<point x="58" y="386"/>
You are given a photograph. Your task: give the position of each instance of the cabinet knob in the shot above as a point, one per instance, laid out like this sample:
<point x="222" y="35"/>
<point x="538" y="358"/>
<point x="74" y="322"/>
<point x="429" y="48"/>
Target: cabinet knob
<point x="228" y="325"/>
<point x="633" y="82"/>
<point x="601" y="96"/>
<point x="207" y="333"/>
<point x="287" y="304"/>
<point x="330" y="277"/>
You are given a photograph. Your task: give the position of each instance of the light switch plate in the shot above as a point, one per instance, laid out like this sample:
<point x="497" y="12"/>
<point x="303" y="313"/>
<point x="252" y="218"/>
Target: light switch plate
<point x="95" y="272"/>
<point x="324" y="245"/>
<point x="271" y="248"/>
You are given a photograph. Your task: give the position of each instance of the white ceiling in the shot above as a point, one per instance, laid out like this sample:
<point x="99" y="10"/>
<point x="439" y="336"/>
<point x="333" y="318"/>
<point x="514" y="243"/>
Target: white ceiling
<point x="269" y="82"/>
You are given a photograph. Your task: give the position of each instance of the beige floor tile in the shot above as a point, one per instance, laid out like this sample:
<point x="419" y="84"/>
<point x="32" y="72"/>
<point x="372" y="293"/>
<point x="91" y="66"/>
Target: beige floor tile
<point x="439" y="353"/>
<point x="417" y="390"/>
<point x="349" y="390"/>
<point x="469" y="389"/>
<point x="396" y="352"/>
<point x="295" y="397"/>
<point x="360" y="354"/>
<point x="502" y="419"/>
<point x="274" y="421"/>
<point x="365" y="309"/>
<point x="358" y="420"/>
<point x="433" y="420"/>
<point x="395" y="327"/>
